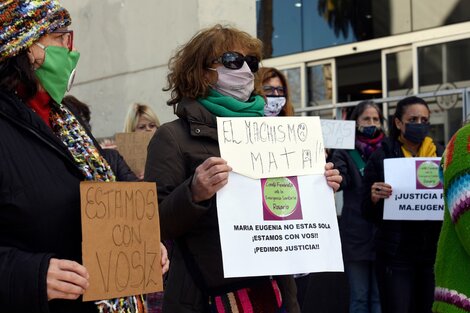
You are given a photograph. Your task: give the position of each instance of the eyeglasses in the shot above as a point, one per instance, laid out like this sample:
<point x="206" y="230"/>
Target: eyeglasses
<point x="234" y="61"/>
<point x="66" y="36"/>
<point x="271" y="90"/>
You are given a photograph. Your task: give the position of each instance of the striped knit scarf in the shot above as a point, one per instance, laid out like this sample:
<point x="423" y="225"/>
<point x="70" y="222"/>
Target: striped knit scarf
<point x="95" y="168"/>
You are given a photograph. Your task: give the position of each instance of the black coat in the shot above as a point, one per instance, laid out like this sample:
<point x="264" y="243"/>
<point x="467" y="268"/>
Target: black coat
<point x="402" y="240"/>
<point x="39" y="210"/>
<point x="357" y="232"/>
<point x="196" y="262"/>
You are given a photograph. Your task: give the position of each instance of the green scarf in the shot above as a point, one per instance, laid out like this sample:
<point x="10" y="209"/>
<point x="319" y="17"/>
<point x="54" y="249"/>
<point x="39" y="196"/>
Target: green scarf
<point x="226" y="106"/>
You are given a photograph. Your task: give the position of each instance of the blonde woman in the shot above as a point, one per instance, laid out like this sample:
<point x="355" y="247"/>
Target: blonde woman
<point x="141" y="118"/>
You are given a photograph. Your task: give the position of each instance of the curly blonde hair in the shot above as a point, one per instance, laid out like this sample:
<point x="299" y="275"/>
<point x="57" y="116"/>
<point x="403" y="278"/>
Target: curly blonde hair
<point x="188" y="67"/>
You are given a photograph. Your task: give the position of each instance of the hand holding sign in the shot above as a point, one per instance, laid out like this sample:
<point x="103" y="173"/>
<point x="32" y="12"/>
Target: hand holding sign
<point x="208" y="178"/>
<point x="66" y="279"/>
<point x="333" y="177"/>
<point x="380" y="190"/>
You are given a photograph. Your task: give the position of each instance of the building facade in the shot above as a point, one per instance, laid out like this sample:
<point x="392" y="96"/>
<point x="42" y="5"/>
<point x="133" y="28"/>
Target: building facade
<point x="337" y="52"/>
<point x="125" y="47"/>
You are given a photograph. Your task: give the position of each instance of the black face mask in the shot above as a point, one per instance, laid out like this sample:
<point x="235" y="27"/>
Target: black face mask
<point x="416" y="132"/>
<point x="368" y="131"/>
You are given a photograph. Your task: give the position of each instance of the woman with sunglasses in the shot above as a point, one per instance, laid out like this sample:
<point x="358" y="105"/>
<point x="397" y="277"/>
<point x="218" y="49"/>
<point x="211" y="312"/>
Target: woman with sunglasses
<point x="405" y="250"/>
<point x="211" y="75"/>
<point x="45" y="153"/>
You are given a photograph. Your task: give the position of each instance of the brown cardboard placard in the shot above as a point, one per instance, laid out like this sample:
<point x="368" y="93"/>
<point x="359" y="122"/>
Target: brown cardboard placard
<point x="120" y="239"/>
<point x="133" y="148"/>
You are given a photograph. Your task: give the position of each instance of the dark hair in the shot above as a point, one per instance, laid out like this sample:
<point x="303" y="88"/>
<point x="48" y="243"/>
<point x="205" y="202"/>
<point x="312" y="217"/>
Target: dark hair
<point x="362" y="106"/>
<point x="266" y="73"/>
<point x="400" y="110"/>
<point x="81" y="108"/>
<point x="16" y="72"/>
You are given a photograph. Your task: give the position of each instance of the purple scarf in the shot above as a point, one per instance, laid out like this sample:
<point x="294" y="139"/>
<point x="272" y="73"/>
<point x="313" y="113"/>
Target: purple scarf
<point x="366" y="146"/>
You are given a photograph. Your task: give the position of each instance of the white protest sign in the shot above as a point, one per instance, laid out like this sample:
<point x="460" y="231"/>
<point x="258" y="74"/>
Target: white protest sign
<point x="417" y="190"/>
<point x="260" y="147"/>
<point x="278" y="226"/>
<point x="338" y="134"/>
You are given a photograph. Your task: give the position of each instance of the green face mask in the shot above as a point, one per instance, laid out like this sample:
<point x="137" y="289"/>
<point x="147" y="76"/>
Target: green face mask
<point x="58" y="70"/>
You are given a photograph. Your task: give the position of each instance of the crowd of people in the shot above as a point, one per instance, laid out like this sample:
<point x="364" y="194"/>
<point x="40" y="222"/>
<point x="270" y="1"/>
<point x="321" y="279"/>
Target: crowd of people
<point x="47" y="148"/>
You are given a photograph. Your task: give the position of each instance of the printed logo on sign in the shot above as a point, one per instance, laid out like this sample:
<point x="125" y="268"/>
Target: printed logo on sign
<point x="281" y="198"/>
<point x="427" y="175"/>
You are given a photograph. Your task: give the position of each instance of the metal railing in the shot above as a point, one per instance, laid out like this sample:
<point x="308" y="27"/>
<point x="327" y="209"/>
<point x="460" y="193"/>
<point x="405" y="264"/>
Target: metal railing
<point x="336" y="107"/>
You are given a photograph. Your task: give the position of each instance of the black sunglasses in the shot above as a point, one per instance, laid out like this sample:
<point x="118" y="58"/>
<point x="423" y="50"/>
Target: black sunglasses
<point x="234" y="61"/>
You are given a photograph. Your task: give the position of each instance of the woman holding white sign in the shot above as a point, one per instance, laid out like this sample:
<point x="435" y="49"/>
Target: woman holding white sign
<point x="357" y="233"/>
<point x="211" y="75"/>
<point x="405" y="249"/>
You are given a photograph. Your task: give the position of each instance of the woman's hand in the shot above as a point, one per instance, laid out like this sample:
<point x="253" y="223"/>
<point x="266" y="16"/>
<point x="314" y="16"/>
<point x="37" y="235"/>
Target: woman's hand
<point x="333" y="178"/>
<point x="209" y="178"/>
<point x="380" y="190"/>
<point x="165" y="262"/>
<point x="66" y="279"/>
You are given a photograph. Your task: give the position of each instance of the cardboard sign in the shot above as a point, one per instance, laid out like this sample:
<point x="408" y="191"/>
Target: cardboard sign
<point x="262" y="147"/>
<point x="278" y="226"/>
<point x="417" y="190"/>
<point x="338" y="134"/>
<point x="121" y="239"/>
<point x="133" y="148"/>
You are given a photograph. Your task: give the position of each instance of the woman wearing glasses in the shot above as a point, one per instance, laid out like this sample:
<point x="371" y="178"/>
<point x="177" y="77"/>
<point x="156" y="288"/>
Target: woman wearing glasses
<point x="211" y="75"/>
<point x="405" y="250"/>
<point x="274" y="87"/>
<point x="45" y="153"/>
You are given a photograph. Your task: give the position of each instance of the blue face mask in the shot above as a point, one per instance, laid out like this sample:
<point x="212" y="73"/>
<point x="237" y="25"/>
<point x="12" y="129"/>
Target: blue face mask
<point x="368" y="131"/>
<point x="416" y="132"/>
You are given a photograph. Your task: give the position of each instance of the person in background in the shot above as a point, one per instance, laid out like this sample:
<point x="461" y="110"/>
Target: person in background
<point x="313" y="291"/>
<point x="452" y="267"/>
<point x="141" y="118"/>
<point x="273" y="85"/>
<point x="357" y="233"/>
<point x="81" y="109"/>
<point x="45" y="153"/>
<point x="114" y="158"/>
<point x="405" y="250"/>
<point x="211" y="75"/>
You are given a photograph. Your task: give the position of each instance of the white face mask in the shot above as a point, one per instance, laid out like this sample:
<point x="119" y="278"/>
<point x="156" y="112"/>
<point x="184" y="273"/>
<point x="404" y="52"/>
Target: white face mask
<point x="274" y="105"/>
<point x="238" y="84"/>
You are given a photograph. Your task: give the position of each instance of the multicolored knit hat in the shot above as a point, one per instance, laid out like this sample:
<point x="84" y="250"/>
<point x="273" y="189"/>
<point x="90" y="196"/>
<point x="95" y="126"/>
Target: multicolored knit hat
<point x="22" y="22"/>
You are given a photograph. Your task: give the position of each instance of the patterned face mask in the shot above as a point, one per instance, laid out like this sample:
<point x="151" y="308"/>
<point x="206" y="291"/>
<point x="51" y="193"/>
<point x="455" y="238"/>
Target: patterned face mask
<point x="274" y="105"/>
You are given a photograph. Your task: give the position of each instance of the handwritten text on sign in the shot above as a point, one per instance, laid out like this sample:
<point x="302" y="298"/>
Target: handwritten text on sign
<point x="263" y="147"/>
<point x="121" y="239"/>
<point x="338" y="134"/>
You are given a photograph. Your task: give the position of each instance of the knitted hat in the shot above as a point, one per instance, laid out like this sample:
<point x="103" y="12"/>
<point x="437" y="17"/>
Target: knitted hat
<point x="22" y="22"/>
